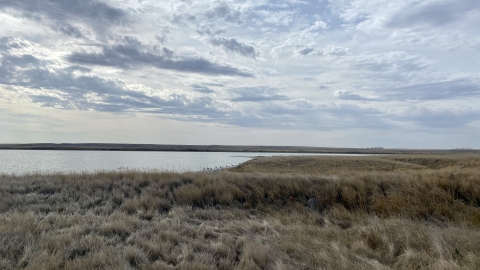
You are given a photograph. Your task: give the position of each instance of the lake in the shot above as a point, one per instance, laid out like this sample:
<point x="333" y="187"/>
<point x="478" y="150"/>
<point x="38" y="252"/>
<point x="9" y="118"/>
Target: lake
<point x="47" y="161"/>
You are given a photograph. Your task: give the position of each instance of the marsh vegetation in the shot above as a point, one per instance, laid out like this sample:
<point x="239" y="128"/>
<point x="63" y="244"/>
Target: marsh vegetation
<point x="400" y="212"/>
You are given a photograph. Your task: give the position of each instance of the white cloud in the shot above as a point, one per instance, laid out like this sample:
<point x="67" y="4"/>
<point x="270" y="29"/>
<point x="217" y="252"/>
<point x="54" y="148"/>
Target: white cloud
<point x="318" y="25"/>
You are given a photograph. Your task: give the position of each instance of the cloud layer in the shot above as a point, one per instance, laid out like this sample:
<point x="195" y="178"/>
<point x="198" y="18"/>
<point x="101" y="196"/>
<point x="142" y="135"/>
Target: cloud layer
<point x="332" y="65"/>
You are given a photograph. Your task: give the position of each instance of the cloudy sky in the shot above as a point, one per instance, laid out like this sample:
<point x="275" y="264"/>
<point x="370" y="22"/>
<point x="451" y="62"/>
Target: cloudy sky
<point x="341" y="73"/>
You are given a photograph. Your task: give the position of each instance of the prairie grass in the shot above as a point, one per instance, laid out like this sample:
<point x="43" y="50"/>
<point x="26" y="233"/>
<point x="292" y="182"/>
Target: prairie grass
<point x="342" y="164"/>
<point x="423" y="214"/>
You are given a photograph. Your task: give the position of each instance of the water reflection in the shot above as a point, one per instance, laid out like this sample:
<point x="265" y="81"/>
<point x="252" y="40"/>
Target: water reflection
<point x="47" y="161"/>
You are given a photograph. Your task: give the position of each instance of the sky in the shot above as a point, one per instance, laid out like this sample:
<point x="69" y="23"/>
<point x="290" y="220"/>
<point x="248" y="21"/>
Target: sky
<point x="332" y="73"/>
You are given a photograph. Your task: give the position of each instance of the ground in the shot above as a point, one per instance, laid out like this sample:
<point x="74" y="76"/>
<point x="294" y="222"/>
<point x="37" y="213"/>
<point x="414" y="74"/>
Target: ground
<point x="380" y="212"/>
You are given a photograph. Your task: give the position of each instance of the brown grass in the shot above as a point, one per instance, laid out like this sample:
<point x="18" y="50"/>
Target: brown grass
<point x="420" y="216"/>
<point x="342" y="164"/>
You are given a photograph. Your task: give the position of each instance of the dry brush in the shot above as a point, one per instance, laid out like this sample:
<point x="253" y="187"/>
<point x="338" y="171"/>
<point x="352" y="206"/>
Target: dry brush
<point x="366" y="219"/>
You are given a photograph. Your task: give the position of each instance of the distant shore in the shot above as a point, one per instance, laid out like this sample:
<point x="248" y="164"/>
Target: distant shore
<point x="226" y="148"/>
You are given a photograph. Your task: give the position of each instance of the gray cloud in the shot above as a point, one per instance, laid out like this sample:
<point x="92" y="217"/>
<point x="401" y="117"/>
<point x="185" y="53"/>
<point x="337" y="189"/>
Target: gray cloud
<point x="232" y="45"/>
<point x="292" y="107"/>
<point x="223" y="11"/>
<point x="306" y="51"/>
<point x="210" y="30"/>
<point x="163" y="37"/>
<point x="63" y="90"/>
<point x="74" y="88"/>
<point x="64" y="17"/>
<point x="395" y="61"/>
<point x="8" y="43"/>
<point x="202" y="89"/>
<point x="459" y="88"/>
<point x="335" y="51"/>
<point x="347" y="95"/>
<point x="61" y="10"/>
<point x="353" y="116"/>
<point x="11" y="65"/>
<point x="256" y="94"/>
<point x="23" y="60"/>
<point x="122" y="100"/>
<point x="69" y="30"/>
<point x="301" y="114"/>
<point x="29" y="71"/>
<point x="438" y="119"/>
<point x="433" y="14"/>
<point x="128" y="56"/>
<point x="66" y="89"/>
<point x="327" y="51"/>
<point x="181" y="19"/>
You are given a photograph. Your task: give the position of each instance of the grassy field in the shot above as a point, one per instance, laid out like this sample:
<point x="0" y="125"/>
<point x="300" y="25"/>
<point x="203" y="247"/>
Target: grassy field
<point x="383" y="212"/>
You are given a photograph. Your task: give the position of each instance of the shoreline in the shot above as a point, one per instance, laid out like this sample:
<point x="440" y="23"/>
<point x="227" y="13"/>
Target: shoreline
<point x="226" y="148"/>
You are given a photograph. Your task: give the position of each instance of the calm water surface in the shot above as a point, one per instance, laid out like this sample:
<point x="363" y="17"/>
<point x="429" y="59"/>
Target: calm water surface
<point x="30" y="161"/>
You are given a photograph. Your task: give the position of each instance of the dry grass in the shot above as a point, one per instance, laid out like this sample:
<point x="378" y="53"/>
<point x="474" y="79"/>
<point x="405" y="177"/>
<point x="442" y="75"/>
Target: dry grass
<point x="342" y="164"/>
<point x="423" y="214"/>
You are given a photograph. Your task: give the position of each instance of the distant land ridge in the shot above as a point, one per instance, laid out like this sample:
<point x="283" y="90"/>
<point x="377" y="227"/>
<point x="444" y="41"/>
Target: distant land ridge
<point x="225" y="148"/>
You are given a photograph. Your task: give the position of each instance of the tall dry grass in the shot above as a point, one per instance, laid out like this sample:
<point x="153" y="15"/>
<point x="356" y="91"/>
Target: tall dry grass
<point x="407" y="219"/>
